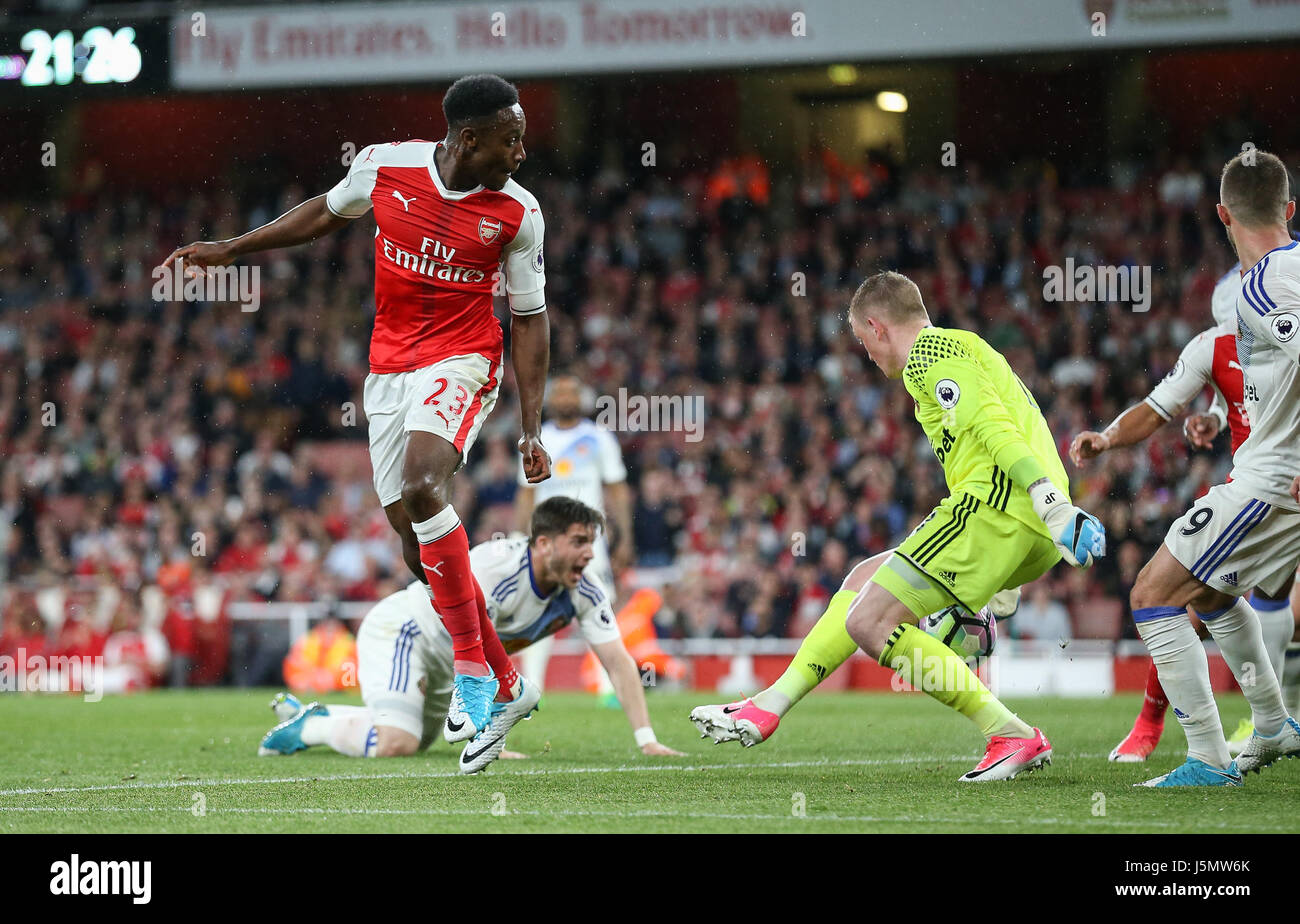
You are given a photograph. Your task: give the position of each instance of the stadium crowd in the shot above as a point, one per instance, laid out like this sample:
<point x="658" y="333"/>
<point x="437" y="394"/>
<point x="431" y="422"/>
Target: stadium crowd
<point x="214" y="455"/>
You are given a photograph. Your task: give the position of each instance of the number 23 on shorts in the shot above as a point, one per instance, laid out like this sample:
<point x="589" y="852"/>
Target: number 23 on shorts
<point x="462" y="395"/>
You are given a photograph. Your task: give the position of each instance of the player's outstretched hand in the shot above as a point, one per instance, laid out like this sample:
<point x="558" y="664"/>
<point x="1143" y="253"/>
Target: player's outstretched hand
<point x="655" y="749"/>
<point x="1201" y="429"/>
<point x="200" y="255"/>
<point x="1295" y="489"/>
<point x="1078" y="535"/>
<point x="512" y="755"/>
<point x="537" y="461"/>
<point x="1088" y="445"/>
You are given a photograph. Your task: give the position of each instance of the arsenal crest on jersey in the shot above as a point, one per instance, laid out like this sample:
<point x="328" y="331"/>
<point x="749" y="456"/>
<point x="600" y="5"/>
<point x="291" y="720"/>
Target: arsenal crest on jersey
<point x="488" y="229"/>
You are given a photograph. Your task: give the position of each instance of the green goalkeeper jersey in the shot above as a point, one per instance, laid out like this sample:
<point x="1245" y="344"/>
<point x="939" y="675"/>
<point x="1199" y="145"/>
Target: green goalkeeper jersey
<point x="982" y="422"/>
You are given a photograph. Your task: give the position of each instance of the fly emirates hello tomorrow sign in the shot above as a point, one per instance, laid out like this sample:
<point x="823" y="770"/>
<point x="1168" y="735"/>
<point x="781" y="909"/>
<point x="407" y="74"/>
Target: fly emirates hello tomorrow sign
<point x="270" y="46"/>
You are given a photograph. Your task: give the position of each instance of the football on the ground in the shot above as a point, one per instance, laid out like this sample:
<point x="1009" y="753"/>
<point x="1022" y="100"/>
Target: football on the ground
<point x="971" y="635"/>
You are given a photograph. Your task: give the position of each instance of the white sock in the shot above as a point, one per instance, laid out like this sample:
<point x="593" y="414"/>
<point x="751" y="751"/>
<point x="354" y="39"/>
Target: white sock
<point x="1291" y="678"/>
<point x="1278" y="625"/>
<point x="440" y="524"/>
<point x="1241" y="640"/>
<point x="1184" y="672"/>
<point x="347" y="729"/>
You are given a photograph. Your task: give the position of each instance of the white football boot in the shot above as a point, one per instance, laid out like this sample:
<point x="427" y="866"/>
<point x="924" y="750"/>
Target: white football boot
<point x="487" y="746"/>
<point x="1259" y="752"/>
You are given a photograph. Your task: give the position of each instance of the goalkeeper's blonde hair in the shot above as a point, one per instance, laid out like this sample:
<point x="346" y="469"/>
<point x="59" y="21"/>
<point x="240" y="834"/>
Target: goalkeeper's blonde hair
<point x="890" y="296"/>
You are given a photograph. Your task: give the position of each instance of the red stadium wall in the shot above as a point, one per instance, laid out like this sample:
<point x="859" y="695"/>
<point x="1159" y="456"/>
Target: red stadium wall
<point x="1224" y="84"/>
<point x="195" y="140"/>
<point x="1007" y="111"/>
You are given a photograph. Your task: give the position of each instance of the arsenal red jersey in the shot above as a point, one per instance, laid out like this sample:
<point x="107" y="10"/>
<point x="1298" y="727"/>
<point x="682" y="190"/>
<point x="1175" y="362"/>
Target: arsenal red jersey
<point x="439" y="255"/>
<point x="1210" y="359"/>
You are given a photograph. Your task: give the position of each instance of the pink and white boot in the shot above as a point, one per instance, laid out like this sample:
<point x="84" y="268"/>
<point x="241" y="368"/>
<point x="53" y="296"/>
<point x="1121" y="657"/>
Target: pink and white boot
<point x="739" y="721"/>
<point x="1005" y="757"/>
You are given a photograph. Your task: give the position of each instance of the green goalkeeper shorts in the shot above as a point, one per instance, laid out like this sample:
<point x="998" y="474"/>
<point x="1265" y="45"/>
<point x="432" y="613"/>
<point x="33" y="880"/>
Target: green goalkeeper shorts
<point x="964" y="552"/>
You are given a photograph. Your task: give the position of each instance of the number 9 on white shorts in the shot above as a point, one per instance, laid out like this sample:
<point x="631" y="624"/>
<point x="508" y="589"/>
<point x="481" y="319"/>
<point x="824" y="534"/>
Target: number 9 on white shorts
<point x="1234" y="542"/>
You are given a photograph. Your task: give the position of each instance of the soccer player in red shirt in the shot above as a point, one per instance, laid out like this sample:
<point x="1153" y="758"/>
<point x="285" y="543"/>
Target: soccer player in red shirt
<point x="451" y="227"/>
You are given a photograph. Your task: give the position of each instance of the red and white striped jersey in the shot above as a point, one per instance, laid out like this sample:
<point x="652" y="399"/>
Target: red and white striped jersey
<point x="437" y="255"/>
<point x="1209" y="359"/>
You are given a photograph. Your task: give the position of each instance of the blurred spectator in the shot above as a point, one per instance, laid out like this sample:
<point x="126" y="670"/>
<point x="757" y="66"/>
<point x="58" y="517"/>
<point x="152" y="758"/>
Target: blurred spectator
<point x="135" y="657"/>
<point x="1040" y="617"/>
<point x="324" y="660"/>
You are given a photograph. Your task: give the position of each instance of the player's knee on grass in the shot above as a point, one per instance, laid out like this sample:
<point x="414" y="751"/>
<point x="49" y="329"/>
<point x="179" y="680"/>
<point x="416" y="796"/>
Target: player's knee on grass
<point x="873" y="617"/>
<point x="394" y="742"/>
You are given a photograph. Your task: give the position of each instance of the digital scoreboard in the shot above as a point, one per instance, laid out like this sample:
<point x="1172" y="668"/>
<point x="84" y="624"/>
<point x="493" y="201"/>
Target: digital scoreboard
<point x="58" y="59"/>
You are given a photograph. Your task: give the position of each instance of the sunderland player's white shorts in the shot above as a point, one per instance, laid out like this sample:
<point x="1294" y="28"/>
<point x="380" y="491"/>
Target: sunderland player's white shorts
<point x="395" y="655"/>
<point x="1234" y="542"/>
<point x="451" y="398"/>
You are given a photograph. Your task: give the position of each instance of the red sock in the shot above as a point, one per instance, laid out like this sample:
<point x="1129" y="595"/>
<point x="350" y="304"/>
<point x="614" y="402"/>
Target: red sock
<point x="1155" y="703"/>
<point x="446" y="566"/>
<point x="495" y="652"/>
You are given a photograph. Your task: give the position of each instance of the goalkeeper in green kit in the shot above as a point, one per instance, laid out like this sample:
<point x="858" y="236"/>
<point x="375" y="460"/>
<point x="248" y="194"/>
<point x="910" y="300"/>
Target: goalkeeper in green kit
<point x="1006" y="521"/>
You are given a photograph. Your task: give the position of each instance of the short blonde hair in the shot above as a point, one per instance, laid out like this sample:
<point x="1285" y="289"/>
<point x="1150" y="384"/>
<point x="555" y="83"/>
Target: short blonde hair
<point x="889" y="295"/>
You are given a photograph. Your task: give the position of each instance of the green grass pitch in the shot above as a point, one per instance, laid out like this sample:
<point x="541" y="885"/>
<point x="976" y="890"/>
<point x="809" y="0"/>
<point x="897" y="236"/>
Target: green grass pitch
<point x="841" y="762"/>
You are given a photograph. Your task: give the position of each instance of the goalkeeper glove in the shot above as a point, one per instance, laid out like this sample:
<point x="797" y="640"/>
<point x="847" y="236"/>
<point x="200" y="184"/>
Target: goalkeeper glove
<point x="1078" y="534"/>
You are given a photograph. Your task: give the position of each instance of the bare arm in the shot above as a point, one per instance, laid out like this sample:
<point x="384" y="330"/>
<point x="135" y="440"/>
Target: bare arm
<point x="626" y="680"/>
<point x="530" y="354"/>
<point x="302" y="223"/>
<point x="1129" y="428"/>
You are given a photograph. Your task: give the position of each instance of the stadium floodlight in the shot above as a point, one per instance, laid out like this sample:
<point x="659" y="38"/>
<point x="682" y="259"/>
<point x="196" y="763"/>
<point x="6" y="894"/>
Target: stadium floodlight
<point x="891" y="101"/>
<point x="842" y="75"/>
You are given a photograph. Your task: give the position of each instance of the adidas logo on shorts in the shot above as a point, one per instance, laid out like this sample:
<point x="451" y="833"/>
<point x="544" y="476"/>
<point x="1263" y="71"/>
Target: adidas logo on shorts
<point x="1230" y="578"/>
<point x="949" y="576"/>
